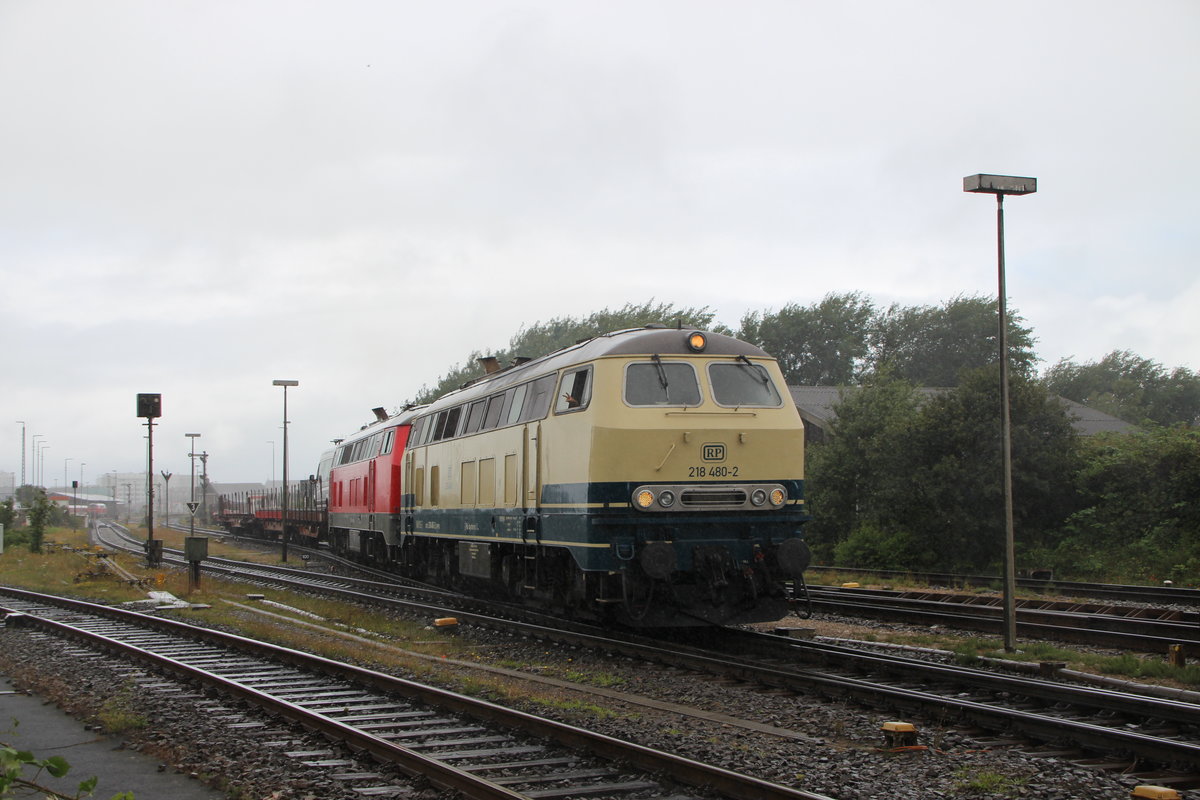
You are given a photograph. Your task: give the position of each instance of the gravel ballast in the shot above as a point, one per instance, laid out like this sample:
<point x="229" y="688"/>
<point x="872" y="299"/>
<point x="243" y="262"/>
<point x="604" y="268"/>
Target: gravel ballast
<point x="836" y="749"/>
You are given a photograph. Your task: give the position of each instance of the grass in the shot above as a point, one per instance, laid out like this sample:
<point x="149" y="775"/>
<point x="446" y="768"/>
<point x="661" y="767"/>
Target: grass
<point x="74" y="573"/>
<point x="988" y="782"/>
<point x="579" y="707"/>
<point x="119" y="714"/>
<point x="406" y="646"/>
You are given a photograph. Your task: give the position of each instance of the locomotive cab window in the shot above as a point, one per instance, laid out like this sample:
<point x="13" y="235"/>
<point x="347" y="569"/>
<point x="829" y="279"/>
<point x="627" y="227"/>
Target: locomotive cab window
<point x="742" y="383"/>
<point x="575" y="391"/>
<point x="661" y="383"/>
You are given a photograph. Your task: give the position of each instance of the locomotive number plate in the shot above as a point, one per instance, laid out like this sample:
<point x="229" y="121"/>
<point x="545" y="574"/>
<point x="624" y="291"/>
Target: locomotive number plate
<point x="712" y="471"/>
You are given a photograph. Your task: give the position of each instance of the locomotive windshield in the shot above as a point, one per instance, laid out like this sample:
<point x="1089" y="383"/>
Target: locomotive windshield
<point x="742" y="384"/>
<point x="661" y="383"/>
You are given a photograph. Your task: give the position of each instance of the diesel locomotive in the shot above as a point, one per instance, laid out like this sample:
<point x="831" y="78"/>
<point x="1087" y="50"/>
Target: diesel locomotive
<point x="649" y="477"/>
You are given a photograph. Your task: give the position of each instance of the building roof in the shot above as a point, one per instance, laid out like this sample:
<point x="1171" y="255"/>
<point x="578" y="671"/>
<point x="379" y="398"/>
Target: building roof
<point x="1089" y="421"/>
<point x="74" y="497"/>
<point x="818" y="407"/>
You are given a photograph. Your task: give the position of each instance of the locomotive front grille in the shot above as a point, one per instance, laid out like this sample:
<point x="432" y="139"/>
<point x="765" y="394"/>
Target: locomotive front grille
<point x="703" y="498"/>
<point x="691" y="497"/>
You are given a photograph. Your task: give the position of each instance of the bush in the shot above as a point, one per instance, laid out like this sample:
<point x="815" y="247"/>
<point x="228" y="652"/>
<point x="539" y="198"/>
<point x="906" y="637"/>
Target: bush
<point x="870" y="547"/>
<point x="16" y="537"/>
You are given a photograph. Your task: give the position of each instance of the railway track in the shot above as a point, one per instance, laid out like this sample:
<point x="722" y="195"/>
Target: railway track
<point x="1147" y="630"/>
<point x="1136" y="727"/>
<point x="1127" y="730"/>
<point x="1165" y="594"/>
<point x="1130" y="628"/>
<point x="476" y="748"/>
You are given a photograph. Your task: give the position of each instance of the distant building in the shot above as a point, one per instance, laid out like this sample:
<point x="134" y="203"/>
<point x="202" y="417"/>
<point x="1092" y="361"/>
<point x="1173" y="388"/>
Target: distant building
<point x="81" y="504"/>
<point x="818" y="409"/>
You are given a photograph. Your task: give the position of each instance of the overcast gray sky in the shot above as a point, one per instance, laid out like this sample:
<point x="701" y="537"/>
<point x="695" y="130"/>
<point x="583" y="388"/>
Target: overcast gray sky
<point x="199" y="197"/>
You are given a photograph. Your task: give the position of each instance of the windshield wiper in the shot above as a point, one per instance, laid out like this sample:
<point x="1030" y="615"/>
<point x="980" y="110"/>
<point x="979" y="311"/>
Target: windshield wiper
<point x="662" y="374"/>
<point x="760" y="374"/>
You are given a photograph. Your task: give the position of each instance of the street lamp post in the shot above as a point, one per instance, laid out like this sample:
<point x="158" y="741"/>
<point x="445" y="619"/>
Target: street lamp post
<point x="21" y="422"/>
<point x="1000" y="185"/>
<point x="284" y="509"/>
<point x="42" y="448"/>
<point x="33" y="452"/>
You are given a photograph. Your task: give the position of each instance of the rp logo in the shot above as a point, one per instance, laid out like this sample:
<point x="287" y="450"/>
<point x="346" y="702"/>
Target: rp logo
<point x="714" y="451"/>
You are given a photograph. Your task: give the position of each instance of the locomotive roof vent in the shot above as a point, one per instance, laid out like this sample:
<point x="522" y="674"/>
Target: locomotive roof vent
<point x="380" y="413"/>
<point x="490" y="364"/>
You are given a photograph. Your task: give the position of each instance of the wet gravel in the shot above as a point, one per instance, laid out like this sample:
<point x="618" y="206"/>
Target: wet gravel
<point x="837" y="748"/>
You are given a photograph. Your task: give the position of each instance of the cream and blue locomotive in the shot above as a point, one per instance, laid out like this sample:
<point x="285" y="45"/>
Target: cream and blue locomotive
<point x="651" y="477"/>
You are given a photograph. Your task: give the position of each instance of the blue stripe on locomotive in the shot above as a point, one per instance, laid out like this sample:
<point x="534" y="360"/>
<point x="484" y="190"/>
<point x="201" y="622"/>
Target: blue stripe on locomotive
<point x="596" y="523"/>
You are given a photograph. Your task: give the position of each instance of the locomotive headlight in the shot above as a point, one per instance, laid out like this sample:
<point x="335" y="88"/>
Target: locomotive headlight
<point x="666" y="499"/>
<point x="697" y="341"/>
<point x="758" y="497"/>
<point x="644" y="498"/>
<point x="778" y="496"/>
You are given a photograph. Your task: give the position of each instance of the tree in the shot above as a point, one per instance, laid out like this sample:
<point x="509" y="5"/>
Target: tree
<point x="823" y="344"/>
<point x="933" y="345"/>
<point x="850" y="476"/>
<point x="8" y="514"/>
<point x="913" y="479"/>
<point x="27" y="493"/>
<point x="1138" y="509"/>
<point x="1135" y="389"/>
<point x="39" y="517"/>
<point x="956" y="475"/>
<point x="543" y="338"/>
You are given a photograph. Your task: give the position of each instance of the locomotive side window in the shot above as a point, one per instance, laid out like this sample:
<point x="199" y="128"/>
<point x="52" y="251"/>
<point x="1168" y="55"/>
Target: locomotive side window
<point x="494" y="407"/>
<point x="537" y="400"/>
<point x="447" y="424"/>
<point x="475" y="416"/>
<point x="514" y="404"/>
<point x="575" y="391"/>
<point x="742" y="384"/>
<point x="389" y="439"/>
<point x="418" y="431"/>
<point x="659" y="383"/>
